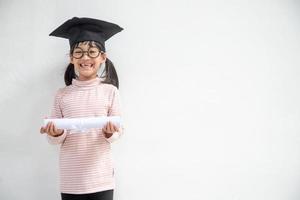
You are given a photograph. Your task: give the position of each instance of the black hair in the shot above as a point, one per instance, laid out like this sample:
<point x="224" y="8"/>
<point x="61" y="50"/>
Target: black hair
<point x="110" y="73"/>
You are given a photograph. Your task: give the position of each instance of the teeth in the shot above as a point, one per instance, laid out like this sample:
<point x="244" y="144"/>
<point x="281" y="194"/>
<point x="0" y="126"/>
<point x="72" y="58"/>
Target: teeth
<point x="86" y="65"/>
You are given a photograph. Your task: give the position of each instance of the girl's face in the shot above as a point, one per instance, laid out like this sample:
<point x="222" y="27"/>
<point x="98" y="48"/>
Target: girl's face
<point x="88" y="64"/>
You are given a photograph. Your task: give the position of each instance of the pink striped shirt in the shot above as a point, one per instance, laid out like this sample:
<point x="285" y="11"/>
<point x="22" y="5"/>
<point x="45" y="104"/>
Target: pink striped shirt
<point x="86" y="163"/>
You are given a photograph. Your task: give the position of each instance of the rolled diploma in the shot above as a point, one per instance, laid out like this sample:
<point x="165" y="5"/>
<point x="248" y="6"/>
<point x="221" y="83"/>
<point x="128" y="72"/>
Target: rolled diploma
<point x="83" y="123"/>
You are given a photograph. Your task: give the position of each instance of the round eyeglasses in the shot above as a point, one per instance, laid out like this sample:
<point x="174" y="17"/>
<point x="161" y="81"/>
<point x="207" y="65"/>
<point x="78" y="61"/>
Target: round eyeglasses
<point x="92" y="52"/>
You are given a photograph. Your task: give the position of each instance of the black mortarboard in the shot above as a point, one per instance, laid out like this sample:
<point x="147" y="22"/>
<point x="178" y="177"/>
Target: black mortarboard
<point x="86" y="29"/>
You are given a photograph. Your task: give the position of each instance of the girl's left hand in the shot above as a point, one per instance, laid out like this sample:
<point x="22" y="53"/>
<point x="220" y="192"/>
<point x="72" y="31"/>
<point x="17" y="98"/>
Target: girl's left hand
<point x="109" y="129"/>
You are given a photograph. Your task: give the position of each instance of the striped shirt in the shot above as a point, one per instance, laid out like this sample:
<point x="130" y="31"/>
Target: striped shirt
<point x="86" y="164"/>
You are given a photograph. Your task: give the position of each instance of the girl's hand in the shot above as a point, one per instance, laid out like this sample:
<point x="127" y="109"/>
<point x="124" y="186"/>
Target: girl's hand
<point x="51" y="130"/>
<point x="109" y="129"/>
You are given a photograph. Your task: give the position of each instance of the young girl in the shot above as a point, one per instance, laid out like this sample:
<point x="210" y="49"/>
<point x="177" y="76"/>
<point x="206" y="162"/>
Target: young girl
<point x="86" y="165"/>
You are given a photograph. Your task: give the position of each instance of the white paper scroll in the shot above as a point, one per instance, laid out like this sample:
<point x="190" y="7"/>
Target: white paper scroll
<point x="83" y="123"/>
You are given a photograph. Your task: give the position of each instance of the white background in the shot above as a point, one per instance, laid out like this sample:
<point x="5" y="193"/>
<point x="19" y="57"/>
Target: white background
<point x="210" y="96"/>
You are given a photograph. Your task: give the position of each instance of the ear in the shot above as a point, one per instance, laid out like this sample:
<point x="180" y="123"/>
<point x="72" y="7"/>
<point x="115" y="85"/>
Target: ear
<point x="103" y="57"/>
<point x="71" y="59"/>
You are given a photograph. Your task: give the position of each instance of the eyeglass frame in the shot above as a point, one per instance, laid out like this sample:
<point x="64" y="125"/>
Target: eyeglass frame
<point x="83" y="52"/>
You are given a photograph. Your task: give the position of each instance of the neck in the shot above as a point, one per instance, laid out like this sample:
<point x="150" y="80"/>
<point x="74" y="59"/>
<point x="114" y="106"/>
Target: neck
<point x="83" y="78"/>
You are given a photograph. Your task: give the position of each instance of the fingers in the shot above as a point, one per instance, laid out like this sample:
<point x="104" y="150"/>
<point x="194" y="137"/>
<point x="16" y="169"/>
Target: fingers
<point x="113" y="127"/>
<point x="56" y="130"/>
<point x="104" y="129"/>
<point x="50" y="129"/>
<point x="110" y="127"/>
<point x="107" y="128"/>
<point x="42" y="130"/>
<point x="47" y="128"/>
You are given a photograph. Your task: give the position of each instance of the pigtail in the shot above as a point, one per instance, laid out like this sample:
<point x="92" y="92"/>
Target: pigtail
<point x="69" y="74"/>
<point x="110" y="76"/>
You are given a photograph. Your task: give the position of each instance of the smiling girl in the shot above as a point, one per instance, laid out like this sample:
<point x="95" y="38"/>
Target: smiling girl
<point x="86" y="165"/>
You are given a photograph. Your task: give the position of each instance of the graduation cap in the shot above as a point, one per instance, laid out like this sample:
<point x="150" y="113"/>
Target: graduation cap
<point x="86" y="29"/>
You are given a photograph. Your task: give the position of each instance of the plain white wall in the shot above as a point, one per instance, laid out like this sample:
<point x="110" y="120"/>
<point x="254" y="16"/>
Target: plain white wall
<point x="210" y="95"/>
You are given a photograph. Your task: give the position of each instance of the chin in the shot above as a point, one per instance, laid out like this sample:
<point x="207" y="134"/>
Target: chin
<point x="84" y="75"/>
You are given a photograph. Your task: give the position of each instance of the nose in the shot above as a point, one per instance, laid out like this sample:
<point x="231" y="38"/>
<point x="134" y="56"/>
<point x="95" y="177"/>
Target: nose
<point x="85" y="56"/>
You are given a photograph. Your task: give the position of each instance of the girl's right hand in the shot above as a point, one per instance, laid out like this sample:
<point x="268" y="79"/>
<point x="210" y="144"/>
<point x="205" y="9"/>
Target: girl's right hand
<point x="51" y="130"/>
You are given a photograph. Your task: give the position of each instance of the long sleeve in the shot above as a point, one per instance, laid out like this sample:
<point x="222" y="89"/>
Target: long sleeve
<point x="85" y="158"/>
<point x="115" y="110"/>
<point x="57" y="113"/>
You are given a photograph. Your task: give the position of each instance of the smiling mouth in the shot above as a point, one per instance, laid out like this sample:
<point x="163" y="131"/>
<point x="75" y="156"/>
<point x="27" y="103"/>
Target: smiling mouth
<point x="86" y="66"/>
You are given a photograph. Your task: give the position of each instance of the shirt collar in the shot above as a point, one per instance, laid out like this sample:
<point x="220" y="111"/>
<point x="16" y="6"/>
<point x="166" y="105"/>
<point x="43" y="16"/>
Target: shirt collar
<point x="89" y="83"/>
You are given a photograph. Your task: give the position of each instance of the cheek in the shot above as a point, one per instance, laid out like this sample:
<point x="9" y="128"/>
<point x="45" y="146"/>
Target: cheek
<point x="99" y="62"/>
<point x="76" y="65"/>
<point x="98" y="66"/>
